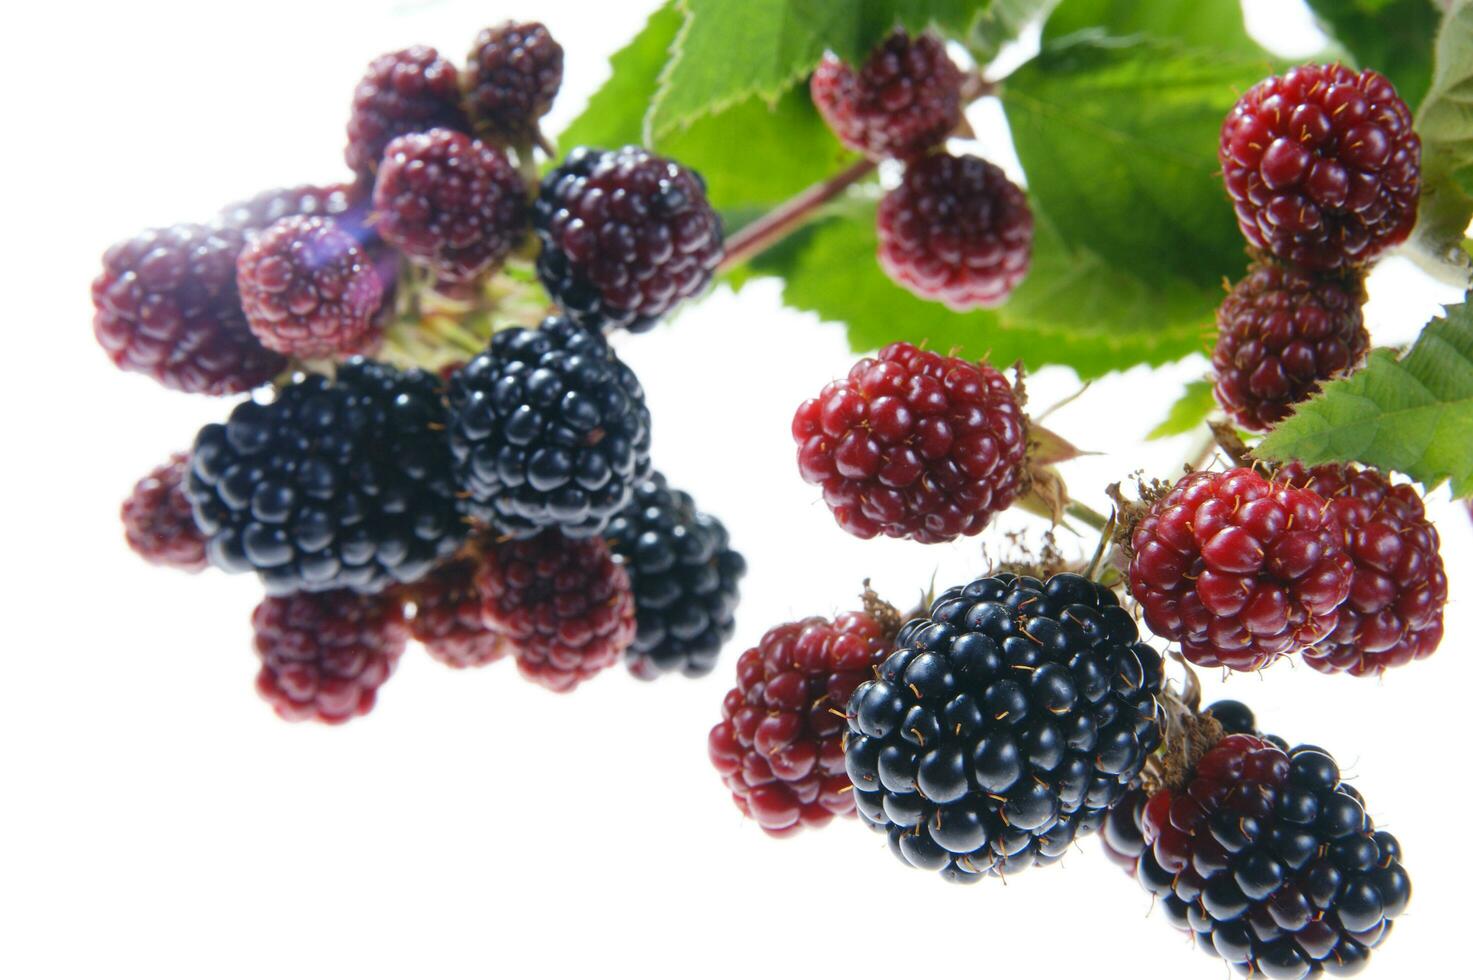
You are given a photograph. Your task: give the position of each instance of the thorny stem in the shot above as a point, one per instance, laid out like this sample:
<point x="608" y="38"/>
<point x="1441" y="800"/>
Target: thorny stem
<point x="778" y="223"/>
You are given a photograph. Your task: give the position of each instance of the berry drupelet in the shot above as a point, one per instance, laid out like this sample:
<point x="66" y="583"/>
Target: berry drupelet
<point x="447" y="617"/>
<point x="159" y="522"/>
<point x="166" y="305"/>
<point x="308" y="290"/>
<point x="324" y="655"/>
<point x="549" y="429"/>
<point x="685" y="578"/>
<point x="450" y="202"/>
<point x="513" y="73"/>
<point x="626" y="236"/>
<point x="408" y="91"/>
<point x="780" y="743"/>
<point x="1239" y="569"/>
<point x="904" y="99"/>
<point x="341" y="484"/>
<point x="1281" y="333"/>
<point x="563" y="604"/>
<point x="913" y="444"/>
<point x="1004" y="725"/>
<point x="1323" y="166"/>
<point x="956" y="231"/>
<point x="1398" y="586"/>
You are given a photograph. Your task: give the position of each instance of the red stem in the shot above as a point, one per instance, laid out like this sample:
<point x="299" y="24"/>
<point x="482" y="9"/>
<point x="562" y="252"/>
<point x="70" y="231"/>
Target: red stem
<point x="780" y="221"/>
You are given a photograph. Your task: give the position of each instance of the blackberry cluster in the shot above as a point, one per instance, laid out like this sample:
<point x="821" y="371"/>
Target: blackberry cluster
<point x="338" y="484"/>
<point x="626" y="235"/>
<point x="513" y="74"/>
<point x="324" y="655"/>
<point x="1239" y="569"/>
<point x="685" y="577"/>
<point x="408" y="91"/>
<point x="913" y="444"/>
<point x="780" y="744"/>
<point x="1398" y="586"/>
<point x="167" y="306"/>
<point x="447" y="617"/>
<point x="159" y="522"/>
<point x="1004" y="725"/>
<point x="548" y="429"/>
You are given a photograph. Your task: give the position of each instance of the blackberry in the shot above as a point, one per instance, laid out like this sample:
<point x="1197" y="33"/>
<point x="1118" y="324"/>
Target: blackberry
<point x="1003" y="726"/>
<point x="626" y="235"/>
<point x="158" y="521"/>
<point x="1323" y="166"/>
<point x="913" y="444"/>
<point x="905" y="99"/>
<point x="324" y="655"/>
<point x="408" y="91"/>
<point x="450" y="202"/>
<point x="685" y="578"/>
<point x="341" y="484"/>
<point x="1398" y="587"/>
<point x="564" y="605"/>
<point x="1239" y="569"/>
<point x="447" y="617"/>
<point x="548" y="429"/>
<point x="1281" y="333"/>
<point x="956" y="231"/>
<point x="779" y="745"/>
<point x="308" y="290"/>
<point x="341" y="202"/>
<point x="166" y="305"/>
<point x="513" y="73"/>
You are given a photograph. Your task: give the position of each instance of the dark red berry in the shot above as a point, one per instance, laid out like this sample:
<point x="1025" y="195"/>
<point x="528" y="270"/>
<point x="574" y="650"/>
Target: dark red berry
<point x="914" y="445"/>
<point x="1323" y="166"/>
<point x="324" y="655"/>
<point x="780" y="744"/>
<point x="450" y="202"/>
<point x="1281" y="333"/>
<point x="1238" y="569"/>
<point x="308" y="289"/>
<point x="626" y="236"/>
<point x="905" y="99"/>
<point x="1398" y="588"/>
<point x="956" y="231"/>
<point x="167" y="306"/>
<point x="407" y="91"/>
<point x="159" y="521"/>
<point x="563" y="603"/>
<point x="513" y="74"/>
<point x="447" y="617"/>
<point x="313" y="200"/>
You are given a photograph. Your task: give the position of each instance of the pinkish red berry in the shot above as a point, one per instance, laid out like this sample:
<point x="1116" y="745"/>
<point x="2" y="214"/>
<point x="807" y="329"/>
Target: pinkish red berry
<point x="447" y="617"/>
<point x="905" y="98"/>
<point x="512" y="75"/>
<point x="412" y="90"/>
<point x="159" y="521"/>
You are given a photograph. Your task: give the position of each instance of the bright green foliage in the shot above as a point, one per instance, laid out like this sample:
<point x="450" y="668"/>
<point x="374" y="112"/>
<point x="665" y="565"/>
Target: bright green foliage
<point x="1216" y="25"/>
<point x="1188" y="412"/>
<point x="1392" y="36"/>
<point x="1445" y="123"/>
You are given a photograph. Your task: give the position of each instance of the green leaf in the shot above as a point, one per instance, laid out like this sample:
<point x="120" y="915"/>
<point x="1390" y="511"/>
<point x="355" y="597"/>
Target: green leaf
<point x="1445" y="123"/>
<point x="615" y="113"/>
<point x="1189" y="411"/>
<point x="1392" y="36"/>
<point x="1002" y="23"/>
<point x="1216" y="25"/>
<point x="1412" y="413"/>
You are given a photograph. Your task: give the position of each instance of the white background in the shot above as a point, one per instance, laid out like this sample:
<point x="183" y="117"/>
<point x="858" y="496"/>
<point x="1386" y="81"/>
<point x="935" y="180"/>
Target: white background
<point x="157" y="820"/>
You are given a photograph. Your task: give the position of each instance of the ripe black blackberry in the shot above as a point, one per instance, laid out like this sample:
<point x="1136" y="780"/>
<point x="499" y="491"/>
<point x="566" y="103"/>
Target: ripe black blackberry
<point x="513" y="73"/>
<point x="408" y="91"/>
<point x="685" y="578"/>
<point x="341" y="484"/>
<point x="626" y="235"/>
<point x="548" y="429"/>
<point x="1004" y="725"/>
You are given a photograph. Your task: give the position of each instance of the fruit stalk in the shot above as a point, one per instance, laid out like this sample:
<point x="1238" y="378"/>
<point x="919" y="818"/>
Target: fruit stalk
<point x="772" y="227"/>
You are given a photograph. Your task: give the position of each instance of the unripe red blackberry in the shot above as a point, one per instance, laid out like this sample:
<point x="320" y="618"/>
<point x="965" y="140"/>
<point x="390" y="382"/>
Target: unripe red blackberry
<point x="324" y="655"/>
<point x="563" y="603"/>
<point x="626" y="236"/>
<point x="1398" y="587"/>
<point x="158" y="519"/>
<point x="512" y="75"/>
<point x="308" y="290"/>
<point x="1281" y="333"/>
<point x="1323" y="166"/>
<point x="905" y="99"/>
<point x="408" y="91"/>
<point x="913" y="444"/>
<point x="956" y="231"/>
<point x="265" y="209"/>
<point x="447" y="617"/>
<point x="780" y="743"/>
<point x="450" y="202"/>
<point x="1238" y="569"/>
<point x="167" y="306"/>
